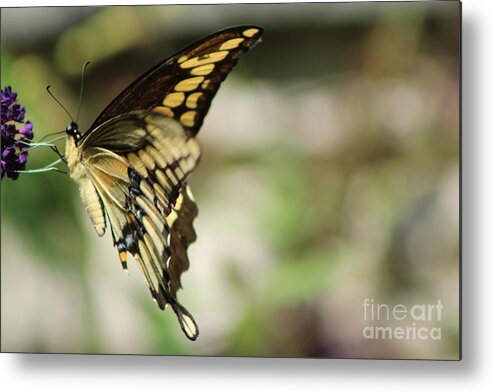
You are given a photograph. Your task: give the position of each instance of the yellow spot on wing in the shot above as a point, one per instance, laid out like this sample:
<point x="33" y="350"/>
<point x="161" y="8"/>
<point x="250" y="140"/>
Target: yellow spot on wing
<point x="231" y="44"/>
<point x="156" y="156"/>
<point x="250" y="32"/>
<point x="205" y="84"/>
<point x="174" y="99"/>
<point x="155" y="259"/>
<point x="164" y="146"/>
<point x="146" y="190"/>
<point x="168" y="148"/>
<point x="179" y="172"/>
<point x="147" y="160"/>
<point x="192" y="100"/>
<point x="171" y="218"/>
<point x="156" y="236"/>
<point x="179" y="202"/>
<point x="171" y="176"/>
<point x="160" y="193"/>
<point x="165" y="111"/>
<point x="150" y="210"/>
<point x="157" y="239"/>
<point x="184" y="167"/>
<point x="189" y="84"/>
<point x="137" y="164"/>
<point x="208" y="58"/>
<point x="187" y="164"/>
<point x="188" y="118"/>
<point x="163" y="181"/>
<point x="173" y="215"/>
<point x="148" y="265"/>
<point x="203" y="69"/>
<point x="182" y="59"/>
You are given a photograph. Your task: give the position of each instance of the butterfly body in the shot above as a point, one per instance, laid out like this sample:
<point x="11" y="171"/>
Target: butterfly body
<point x="133" y="163"/>
<point x="80" y="174"/>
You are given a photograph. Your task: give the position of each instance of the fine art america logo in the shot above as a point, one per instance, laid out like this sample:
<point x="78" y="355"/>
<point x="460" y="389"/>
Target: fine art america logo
<point x="401" y="322"/>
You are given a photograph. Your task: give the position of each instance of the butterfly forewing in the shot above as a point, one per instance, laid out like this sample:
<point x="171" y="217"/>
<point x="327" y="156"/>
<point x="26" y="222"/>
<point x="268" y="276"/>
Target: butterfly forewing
<point x="133" y="163"/>
<point x="182" y="87"/>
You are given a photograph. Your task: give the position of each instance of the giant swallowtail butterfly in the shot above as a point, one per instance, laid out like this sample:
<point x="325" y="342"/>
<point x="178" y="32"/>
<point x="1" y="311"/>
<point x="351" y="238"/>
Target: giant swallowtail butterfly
<point x="133" y="163"/>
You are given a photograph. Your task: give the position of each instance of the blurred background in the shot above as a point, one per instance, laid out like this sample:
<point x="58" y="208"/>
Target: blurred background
<point x="330" y="174"/>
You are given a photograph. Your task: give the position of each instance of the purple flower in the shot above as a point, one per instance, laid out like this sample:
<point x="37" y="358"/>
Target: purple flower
<point x="17" y="112"/>
<point x="27" y="130"/>
<point x="14" y="140"/>
<point x="8" y="96"/>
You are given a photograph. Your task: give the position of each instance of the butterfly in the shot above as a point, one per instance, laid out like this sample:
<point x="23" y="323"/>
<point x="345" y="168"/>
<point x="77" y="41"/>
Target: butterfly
<point x="133" y="163"/>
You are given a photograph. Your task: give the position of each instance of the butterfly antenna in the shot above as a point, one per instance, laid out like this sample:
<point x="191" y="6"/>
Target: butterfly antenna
<point x="58" y="102"/>
<point x="81" y="88"/>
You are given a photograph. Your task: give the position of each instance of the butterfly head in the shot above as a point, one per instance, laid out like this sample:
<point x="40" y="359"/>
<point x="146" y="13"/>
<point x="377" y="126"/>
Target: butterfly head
<point x="73" y="130"/>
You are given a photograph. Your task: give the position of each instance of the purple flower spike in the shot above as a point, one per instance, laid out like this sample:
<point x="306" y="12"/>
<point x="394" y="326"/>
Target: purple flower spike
<point x="14" y="153"/>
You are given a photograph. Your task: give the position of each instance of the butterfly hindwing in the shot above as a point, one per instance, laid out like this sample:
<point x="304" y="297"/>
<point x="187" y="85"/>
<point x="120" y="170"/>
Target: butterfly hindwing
<point x="139" y="182"/>
<point x="182" y="87"/>
<point x="182" y="234"/>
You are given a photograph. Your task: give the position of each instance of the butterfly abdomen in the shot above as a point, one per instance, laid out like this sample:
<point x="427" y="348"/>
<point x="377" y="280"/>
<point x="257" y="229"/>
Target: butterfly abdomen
<point x="88" y="193"/>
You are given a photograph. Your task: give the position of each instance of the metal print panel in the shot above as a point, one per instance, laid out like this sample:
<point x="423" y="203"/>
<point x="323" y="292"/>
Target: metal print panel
<point x="232" y="180"/>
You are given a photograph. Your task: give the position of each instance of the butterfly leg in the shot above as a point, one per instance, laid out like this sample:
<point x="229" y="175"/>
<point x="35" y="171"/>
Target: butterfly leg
<point x="62" y="157"/>
<point x="57" y="170"/>
<point x="50" y="167"/>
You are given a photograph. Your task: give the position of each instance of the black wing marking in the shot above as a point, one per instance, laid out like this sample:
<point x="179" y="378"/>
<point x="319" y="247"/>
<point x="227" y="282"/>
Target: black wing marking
<point x="182" y="87"/>
<point x="182" y="234"/>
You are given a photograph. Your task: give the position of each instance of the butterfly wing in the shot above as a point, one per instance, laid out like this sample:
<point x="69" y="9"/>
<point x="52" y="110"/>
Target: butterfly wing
<point x="139" y="153"/>
<point x="138" y="164"/>
<point x="182" y="87"/>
